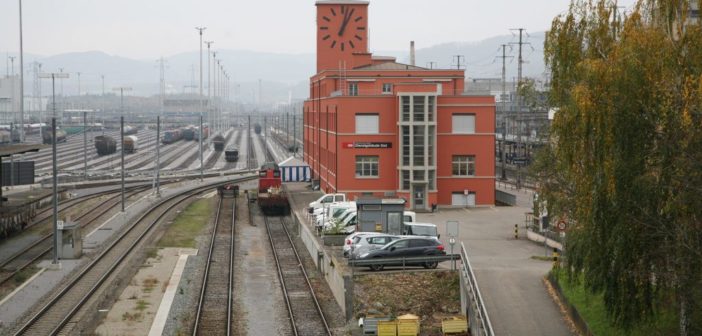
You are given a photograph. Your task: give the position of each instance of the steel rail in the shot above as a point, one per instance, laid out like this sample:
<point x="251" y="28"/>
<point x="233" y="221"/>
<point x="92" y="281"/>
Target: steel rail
<point x="73" y="309"/>
<point x="48" y="236"/>
<point x="281" y="276"/>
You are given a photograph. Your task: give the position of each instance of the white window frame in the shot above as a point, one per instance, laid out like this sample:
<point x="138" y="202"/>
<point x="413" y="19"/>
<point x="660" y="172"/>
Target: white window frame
<point x="367" y="162"/>
<point x="458" y="128"/>
<point x="353" y="89"/>
<point x="463" y="165"/>
<point x="387" y="86"/>
<point x="367" y="123"/>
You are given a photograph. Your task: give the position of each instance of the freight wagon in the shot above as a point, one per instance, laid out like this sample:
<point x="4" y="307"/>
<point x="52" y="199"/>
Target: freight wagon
<point x="47" y="136"/>
<point x="130" y="130"/>
<point x="172" y="136"/>
<point x="231" y="154"/>
<point x="105" y="145"/>
<point x="218" y="142"/>
<point x="130" y="144"/>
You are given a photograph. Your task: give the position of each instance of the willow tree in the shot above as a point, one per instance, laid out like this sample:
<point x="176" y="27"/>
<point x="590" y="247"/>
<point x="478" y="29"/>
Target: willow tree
<point x="624" y="161"/>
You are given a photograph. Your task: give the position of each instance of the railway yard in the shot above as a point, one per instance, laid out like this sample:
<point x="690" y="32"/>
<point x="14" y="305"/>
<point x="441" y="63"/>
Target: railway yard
<point x="236" y="269"/>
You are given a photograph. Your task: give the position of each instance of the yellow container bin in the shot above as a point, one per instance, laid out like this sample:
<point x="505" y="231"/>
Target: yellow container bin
<point x="408" y="325"/>
<point x="387" y="328"/>
<point x="454" y="325"/>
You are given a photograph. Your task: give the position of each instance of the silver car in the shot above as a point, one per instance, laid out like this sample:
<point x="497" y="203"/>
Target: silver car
<point x="363" y="244"/>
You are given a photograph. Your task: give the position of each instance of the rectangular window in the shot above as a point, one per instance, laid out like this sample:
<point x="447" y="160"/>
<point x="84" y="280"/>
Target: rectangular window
<point x="353" y="89"/>
<point x="418" y="146"/>
<point x="405" y="180"/>
<point x="387" y="88"/>
<point x="418" y="108"/>
<point x="367" y="124"/>
<point x="431" y="108"/>
<point x="405" y="145"/>
<point x="405" y="108"/>
<point x="463" y="165"/>
<point x="463" y="123"/>
<point x="418" y="176"/>
<point x="366" y="166"/>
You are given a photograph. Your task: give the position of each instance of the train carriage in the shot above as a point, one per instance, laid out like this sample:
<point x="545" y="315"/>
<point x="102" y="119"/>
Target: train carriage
<point x="231" y="154"/>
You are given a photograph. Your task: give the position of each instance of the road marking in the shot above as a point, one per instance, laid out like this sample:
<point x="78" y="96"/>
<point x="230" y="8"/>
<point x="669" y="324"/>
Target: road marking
<point x="8" y="297"/>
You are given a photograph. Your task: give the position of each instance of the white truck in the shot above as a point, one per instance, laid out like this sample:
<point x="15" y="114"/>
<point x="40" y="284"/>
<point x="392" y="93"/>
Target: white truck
<point x="326" y="199"/>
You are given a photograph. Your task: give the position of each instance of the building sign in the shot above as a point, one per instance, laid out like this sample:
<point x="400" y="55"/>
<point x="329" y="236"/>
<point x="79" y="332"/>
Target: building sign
<point x="381" y="145"/>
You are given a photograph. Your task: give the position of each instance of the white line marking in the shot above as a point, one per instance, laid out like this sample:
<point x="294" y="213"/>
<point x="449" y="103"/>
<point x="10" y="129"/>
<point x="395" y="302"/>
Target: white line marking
<point x="8" y="297"/>
<point x="115" y="215"/>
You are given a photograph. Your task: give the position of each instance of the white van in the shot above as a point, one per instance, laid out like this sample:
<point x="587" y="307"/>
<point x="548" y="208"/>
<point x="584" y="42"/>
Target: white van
<point x="335" y="210"/>
<point x="327" y="198"/>
<point x="348" y="222"/>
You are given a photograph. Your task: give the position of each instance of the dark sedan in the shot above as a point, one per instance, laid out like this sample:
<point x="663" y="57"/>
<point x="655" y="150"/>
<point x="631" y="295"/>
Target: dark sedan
<point x="406" y="248"/>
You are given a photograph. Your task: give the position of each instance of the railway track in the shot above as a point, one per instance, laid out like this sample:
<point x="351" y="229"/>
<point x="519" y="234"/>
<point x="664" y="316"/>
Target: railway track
<point x="57" y="315"/>
<point x="306" y="316"/>
<point x="237" y="142"/>
<point x="33" y="252"/>
<point x="250" y="151"/>
<point x="212" y="160"/>
<point x="218" y="284"/>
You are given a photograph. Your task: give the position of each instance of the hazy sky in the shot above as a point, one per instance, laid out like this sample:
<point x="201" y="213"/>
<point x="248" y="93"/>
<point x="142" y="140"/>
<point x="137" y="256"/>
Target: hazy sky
<point x="146" y="29"/>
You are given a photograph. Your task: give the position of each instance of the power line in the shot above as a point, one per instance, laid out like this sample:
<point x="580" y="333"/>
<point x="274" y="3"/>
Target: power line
<point x="520" y="61"/>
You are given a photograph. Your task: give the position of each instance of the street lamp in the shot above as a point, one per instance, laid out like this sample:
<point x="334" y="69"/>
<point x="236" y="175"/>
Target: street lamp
<point x="21" y="71"/>
<point x="53" y="77"/>
<point x="200" y="30"/>
<point x="209" y="83"/>
<point x="121" y="132"/>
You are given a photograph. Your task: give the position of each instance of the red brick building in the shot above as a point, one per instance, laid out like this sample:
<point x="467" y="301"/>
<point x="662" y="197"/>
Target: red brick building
<point x="373" y="126"/>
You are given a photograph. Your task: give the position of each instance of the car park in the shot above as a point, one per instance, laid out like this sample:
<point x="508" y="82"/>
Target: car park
<point x="394" y="253"/>
<point x="326" y="199"/>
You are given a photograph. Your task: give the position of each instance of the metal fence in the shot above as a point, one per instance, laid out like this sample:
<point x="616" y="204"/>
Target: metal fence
<point x="479" y="321"/>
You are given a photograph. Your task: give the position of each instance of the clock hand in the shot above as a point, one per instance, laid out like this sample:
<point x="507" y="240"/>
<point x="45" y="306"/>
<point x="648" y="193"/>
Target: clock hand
<point x="347" y="18"/>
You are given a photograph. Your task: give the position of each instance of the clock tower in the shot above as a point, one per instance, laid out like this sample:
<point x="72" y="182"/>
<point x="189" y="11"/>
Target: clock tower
<point x="342" y="31"/>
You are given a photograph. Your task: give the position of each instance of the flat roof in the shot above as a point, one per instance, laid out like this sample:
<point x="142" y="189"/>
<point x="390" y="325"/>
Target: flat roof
<point x="20" y="149"/>
<point x="373" y="200"/>
<point x="342" y="2"/>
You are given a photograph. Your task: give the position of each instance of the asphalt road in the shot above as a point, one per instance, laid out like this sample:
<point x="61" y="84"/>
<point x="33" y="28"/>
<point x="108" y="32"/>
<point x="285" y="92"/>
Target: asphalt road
<point x="510" y="281"/>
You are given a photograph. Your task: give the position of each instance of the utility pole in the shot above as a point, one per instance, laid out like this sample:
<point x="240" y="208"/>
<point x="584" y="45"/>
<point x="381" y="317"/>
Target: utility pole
<point x="157" y="169"/>
<point x="21" y="71"/>
<point x="209" y="83"/>
<point x="431" y="65"/>
<point x="85" y="145"/>
<point x="457" y="61"/>
<point x="121" y="132"/>
<point x="78" y="73"/>
<point x="503" y="99"/>
<point x="519" y="106"/>
<point x="200" y="30"/>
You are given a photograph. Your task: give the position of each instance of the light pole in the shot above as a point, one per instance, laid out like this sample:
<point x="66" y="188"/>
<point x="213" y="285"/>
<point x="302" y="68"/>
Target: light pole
<point x="209" y="83"/>
<point x="200" y="30"/>
<point x="21" y="71"/>
<point x="121" y="132"/>
<point x="53" y="77"/>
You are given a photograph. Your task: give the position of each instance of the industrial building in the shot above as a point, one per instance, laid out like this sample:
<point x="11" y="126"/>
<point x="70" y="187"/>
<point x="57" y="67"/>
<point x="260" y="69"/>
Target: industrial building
<point x="376" y="127"/>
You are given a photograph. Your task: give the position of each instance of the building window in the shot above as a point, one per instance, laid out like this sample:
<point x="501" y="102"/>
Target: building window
<point x="463" y="165"/>
<point x="463" y="123"/>
<point x="353" y="89"/>
<point x="405" y="180"/>
<point x="418" y="108"/>
<point x="366" y="166"/>
<point x="431" y="108"/>
<point x="405" y="108"/>
<point x="367" y="123"/>
<point x="387" y="88"/>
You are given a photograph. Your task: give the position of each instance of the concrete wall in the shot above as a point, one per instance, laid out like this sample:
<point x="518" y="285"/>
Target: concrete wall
<point x="335" y="273"/>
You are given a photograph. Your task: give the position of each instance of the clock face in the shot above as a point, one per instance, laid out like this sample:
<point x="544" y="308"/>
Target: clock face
<point x="342" y="27"/>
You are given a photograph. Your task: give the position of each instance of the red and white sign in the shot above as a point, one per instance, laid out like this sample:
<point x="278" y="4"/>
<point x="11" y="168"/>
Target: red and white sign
<point x="376" y="145"/>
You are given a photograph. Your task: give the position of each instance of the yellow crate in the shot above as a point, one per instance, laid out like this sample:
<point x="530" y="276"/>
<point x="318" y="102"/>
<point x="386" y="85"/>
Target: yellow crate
<point x="454" y="325"/>
<point x="387" y="328"/>
<point x="408" y="325"/>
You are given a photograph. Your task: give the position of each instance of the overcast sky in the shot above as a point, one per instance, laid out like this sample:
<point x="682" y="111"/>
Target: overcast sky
<point x="146" y="29"/>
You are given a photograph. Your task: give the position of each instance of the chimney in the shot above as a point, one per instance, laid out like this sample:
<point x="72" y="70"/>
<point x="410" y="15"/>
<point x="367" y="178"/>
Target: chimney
<point x="412" y="53"/>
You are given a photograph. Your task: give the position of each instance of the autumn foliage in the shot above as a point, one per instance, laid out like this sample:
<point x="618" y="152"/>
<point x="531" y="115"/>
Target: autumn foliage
<point x="624" y="161"/>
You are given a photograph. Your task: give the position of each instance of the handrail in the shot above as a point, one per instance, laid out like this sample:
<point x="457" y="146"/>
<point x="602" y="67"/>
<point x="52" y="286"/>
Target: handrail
<point x="486" y="326"/>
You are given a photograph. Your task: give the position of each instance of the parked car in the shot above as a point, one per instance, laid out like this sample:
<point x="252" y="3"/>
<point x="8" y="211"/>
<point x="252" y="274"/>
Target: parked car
<point x="348" y="242"/>
<point x="347" y="224"/>
<point x="420" y="229"/>
<point x="333" y="210"/>
<point x="363" y="244"/>
<point x="327" y="198"/>
<point x="406" y="247"/>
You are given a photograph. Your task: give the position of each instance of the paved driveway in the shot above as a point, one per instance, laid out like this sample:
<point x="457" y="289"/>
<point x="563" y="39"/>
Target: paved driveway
<point x="510" y="281"/>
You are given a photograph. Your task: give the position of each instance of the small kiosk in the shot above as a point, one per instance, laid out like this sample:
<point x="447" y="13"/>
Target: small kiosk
<point x="380" y="215"/>
<point x="71" y="240"/>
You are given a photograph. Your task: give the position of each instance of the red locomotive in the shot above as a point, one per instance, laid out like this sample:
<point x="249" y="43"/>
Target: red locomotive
<point x="271" y="198"/>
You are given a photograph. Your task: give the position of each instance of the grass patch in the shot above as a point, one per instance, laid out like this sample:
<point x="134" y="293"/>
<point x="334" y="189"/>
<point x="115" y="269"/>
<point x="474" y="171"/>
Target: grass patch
<point x="188" y="225"/>
<point x="149" y="284"/>
<point x="592" y="309"/>
<point x="24" y="275"/>
<point x="141" y="305"/>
